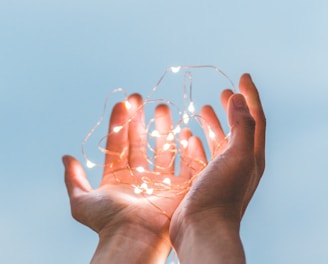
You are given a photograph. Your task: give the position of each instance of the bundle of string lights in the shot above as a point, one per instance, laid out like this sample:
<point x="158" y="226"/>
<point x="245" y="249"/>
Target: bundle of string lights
<point x="180" y="89"/>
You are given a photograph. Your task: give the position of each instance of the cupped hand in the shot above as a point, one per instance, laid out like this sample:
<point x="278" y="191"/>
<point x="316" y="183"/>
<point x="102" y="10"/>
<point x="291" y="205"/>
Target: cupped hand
<point x="224" y="189"/>
<point x="113" y="206"/>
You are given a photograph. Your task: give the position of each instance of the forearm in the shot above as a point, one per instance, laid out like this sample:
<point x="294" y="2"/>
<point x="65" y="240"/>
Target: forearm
<point x="209" y="242"/>
<point x="130" y="244"/>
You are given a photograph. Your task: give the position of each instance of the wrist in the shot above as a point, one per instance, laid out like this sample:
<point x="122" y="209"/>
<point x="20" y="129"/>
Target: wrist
<point x="131" y="244"/>
<point x="216" y="240"/>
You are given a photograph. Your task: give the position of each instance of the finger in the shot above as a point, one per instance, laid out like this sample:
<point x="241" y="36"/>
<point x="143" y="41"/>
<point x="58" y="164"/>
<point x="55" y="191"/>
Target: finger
<point x="248" y="89"/>
<point x="212" y="128"/>
<point x="242" y="125"/>
<point x="75" y="177"/>
<point x="198" y="156"/>
<point x="117" y="140"/>
<point x="165" y="149"/>
<point x="137" y="134"/>
<point x="185" y="172"/>
<point x="225" y="95"/>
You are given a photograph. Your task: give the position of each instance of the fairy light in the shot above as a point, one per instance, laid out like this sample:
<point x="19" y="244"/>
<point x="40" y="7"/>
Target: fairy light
<point x="166" y="146"/>
<point x="185" y="118"/>
<point x="155" y="133"/>
<point x="117" y="129"/>
<point x="170" y="137"/>
<point x="151" y="179"/>
<point x="211" y="134"/>
<point x="177" y="130"/>
<point x="184" y="143"/>
<point x="127" y="105"/>
<point x="167" y="181"/>
<point x="175" y="69"/>
<point x="191" y="107"/>
<point x="90" y="164"/>
<point x="149" y="191"/>
<point x="140" y="169"/>
<point x="137" y="190"/>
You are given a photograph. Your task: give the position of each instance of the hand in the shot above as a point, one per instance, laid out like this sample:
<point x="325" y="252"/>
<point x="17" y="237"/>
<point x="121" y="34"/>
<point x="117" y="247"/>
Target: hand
<point x="131" y="229"/>
<point x="209" y="216"/>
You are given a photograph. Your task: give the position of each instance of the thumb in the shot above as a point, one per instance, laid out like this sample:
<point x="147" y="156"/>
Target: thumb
<point x="241" y="123"/>
<point x="75" y="177"/>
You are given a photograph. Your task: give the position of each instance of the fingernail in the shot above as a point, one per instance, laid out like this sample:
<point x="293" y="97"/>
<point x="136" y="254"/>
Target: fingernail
<point x="239" y="102"/>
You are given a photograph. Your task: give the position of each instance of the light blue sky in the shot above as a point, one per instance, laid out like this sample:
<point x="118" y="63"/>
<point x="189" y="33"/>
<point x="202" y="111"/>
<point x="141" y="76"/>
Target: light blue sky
<point x="59" y="59"/>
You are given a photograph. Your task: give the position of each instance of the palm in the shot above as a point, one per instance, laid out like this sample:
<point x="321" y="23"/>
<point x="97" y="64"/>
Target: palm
<point x="115" y="201"/>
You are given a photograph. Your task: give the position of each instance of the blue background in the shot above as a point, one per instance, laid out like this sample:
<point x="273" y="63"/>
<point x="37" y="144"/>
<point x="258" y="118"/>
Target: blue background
<point x="59" y="59"/>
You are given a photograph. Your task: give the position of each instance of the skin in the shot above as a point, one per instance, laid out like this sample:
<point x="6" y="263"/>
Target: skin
<point x="131" y="230"/>
<point x="208" y="218"/>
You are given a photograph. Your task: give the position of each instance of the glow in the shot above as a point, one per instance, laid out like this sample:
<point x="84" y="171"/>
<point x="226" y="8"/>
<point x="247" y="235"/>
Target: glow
<point x="166" y="146"/>
<point x="137" y="190"/>
<point x="177" y="130"/>
<point x="150" y="191"/>
<point x="167" y="181"/>
<point x="90" y="164"/>
<point x="170" y="137"/>
<point x="191" y="107"/>
<point x="185" y="118"/>
<point x="175" y="69"/>
<point x="117" y="129"/>
<point x="211" y="134"/>
<point x="184" y="143"/>
<point x="148" y="180"/>
<point x="155" y="133"/>
<point x="127" y="105"/>
<point x="140" y="169"/>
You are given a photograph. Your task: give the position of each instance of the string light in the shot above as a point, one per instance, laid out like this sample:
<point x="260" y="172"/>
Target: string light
<point x="211" y="134"/>
<point x="158" y="180"/>
<point x="175" y="69"/>
<point x="167" y="181"/>
<point x="127" y="105"/>
<point x="191" y="107"/>
<point x="90" y="164"/>
<point x="184" y="143"/>
<point x="140" y="169"/>
<point x="170" y="136"/>
<point x="117" y="129"/>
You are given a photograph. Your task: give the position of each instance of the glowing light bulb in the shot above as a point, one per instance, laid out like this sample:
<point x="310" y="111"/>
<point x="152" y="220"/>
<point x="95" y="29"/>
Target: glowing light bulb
<point x="175" y="69"/>
<point x="177" y="130"/>
<point x="149" y="191"/>
<point x="127" y="105"/>
<point x="90" y="164"/>
<point x="191" y="107"/>
<point x="167" y="181"/>
<point x="140" y="169"/>
<point x="185" y="118"/>
<point x="137" y="190"/>
<point x="117" y="129"/>
<point x="166" y="146"/>
<point x="211" y="134"/>
<point x="170" y="137"/>
<point x="144" y="186"/>
<point x="184" y="143"/>
<point x="155" y="133"/>
<point x="228" y="136"/>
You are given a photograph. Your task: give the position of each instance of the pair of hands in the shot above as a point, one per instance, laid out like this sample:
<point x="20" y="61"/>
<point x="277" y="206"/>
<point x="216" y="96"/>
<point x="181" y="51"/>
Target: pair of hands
<point x="131" y="230"/>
